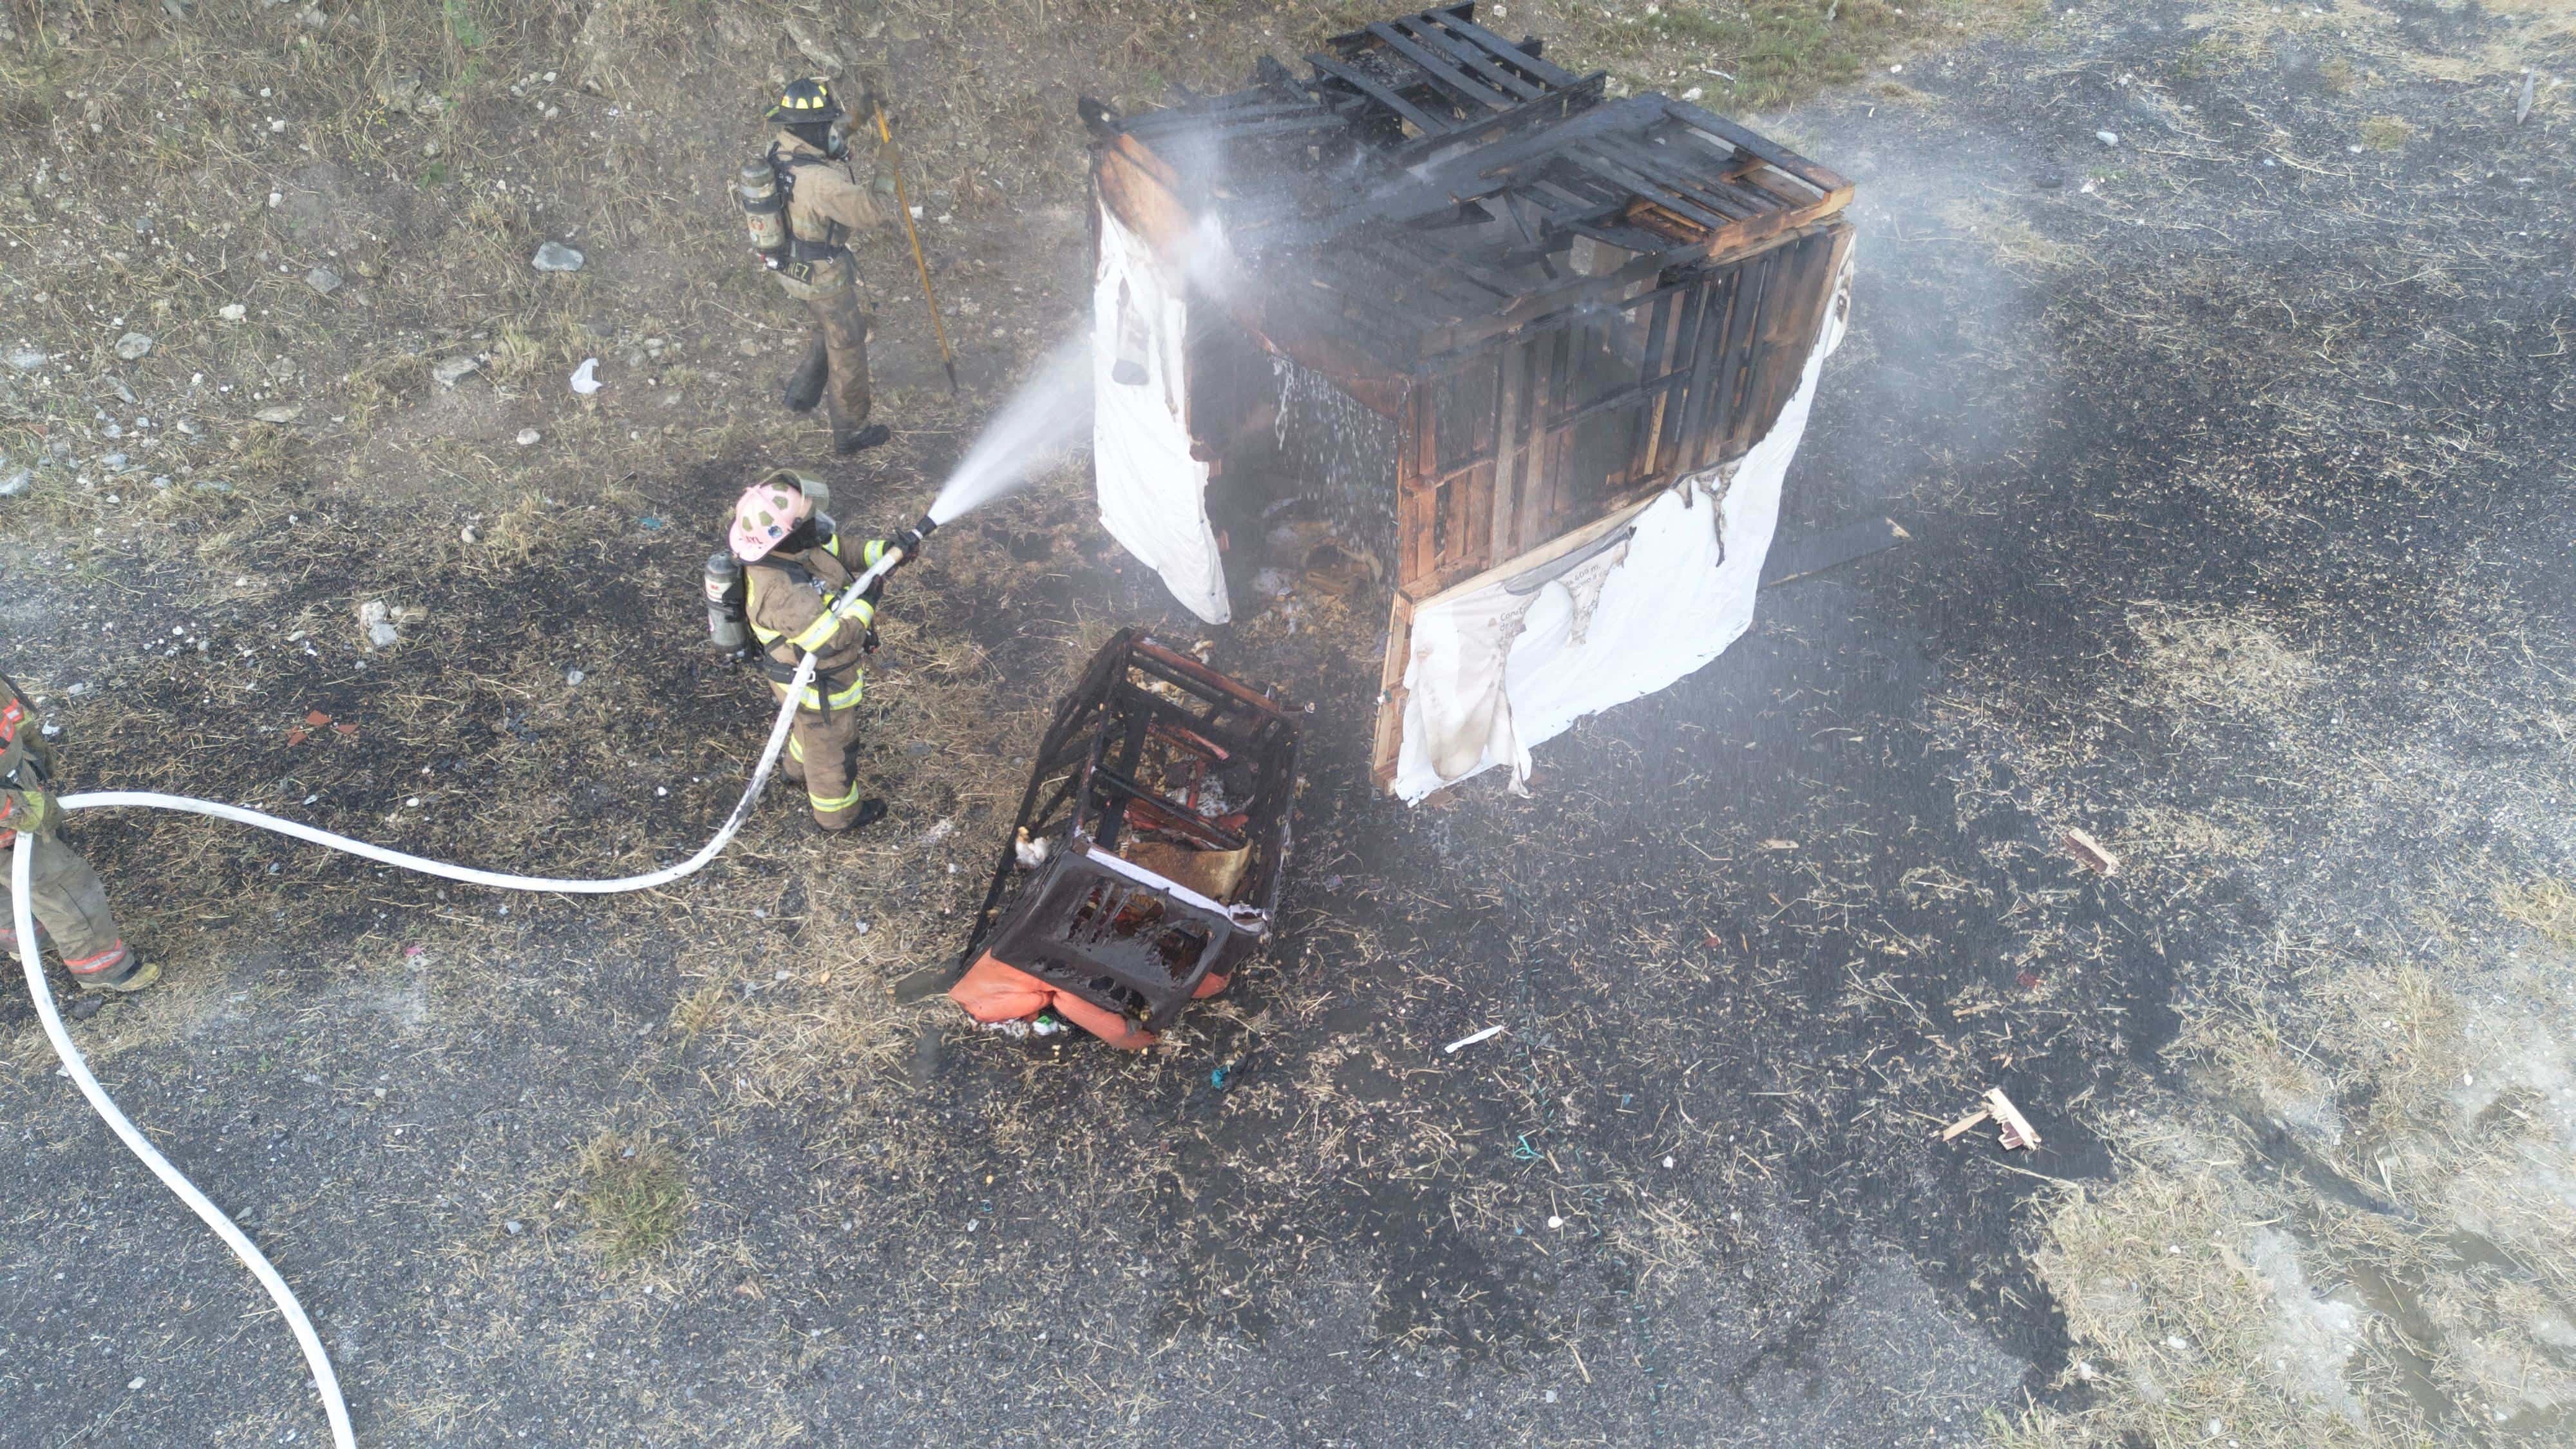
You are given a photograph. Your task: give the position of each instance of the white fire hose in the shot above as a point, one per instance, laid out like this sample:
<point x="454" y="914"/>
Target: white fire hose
<point x="22" y="868"/>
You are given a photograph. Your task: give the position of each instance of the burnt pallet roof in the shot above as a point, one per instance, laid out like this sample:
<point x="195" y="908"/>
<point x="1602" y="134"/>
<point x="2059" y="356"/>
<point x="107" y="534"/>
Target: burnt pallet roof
<point x="1418" y="190"/>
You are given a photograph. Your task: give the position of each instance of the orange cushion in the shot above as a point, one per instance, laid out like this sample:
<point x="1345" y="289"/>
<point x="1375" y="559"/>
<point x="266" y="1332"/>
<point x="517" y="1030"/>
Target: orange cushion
<point x="994" y="990"/>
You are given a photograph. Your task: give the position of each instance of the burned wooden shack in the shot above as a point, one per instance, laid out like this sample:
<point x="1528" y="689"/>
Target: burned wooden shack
<point x="1540" y="355"/>
<point x="1147" y="854"/>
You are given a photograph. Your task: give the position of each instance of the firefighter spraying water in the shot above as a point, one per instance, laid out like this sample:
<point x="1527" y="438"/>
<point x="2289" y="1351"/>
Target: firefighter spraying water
<point x="812" y="632"/>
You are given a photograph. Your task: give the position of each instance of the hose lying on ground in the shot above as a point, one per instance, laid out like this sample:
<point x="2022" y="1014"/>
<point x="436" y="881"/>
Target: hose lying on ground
<point x="22" y="868"/>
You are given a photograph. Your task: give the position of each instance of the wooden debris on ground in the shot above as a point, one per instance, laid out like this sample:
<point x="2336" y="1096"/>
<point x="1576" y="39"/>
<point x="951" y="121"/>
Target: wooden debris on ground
<point x="2016" y="1129"/>
<point x="2091" y="852"/>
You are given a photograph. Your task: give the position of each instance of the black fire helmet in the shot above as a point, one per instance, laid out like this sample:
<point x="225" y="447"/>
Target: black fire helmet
<point x="806" y="102"/>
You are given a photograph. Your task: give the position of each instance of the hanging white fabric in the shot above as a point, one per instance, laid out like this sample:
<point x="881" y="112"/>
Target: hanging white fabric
<point x="1153" y="494"/>
<point x="1611" y="612"/>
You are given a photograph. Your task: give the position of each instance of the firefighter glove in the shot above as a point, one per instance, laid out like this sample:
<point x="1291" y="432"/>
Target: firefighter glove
<point x="33" y="811"/>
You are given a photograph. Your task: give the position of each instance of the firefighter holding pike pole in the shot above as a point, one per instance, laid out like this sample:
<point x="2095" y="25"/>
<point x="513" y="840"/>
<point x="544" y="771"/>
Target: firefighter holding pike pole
<point x="803" y="200"/>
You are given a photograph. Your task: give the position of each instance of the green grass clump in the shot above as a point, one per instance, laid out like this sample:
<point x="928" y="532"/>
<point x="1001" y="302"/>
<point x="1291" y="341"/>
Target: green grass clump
<point x="1770" y="52"/>
<point x="637" y="1197"/>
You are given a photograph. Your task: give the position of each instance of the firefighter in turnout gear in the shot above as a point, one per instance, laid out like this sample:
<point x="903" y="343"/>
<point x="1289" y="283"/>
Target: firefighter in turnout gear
<point x="826" y="202"/>
<point x="70" y="906"/>
<point x="795" y="566"/>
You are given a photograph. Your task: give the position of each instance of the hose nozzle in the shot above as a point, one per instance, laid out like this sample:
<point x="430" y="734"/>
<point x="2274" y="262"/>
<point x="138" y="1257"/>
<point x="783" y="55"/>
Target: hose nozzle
<point x="911" y="539"/>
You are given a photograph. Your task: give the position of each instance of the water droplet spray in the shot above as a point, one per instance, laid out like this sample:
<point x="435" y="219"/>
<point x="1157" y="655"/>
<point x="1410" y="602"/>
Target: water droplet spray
<point x="1041" y="423"/>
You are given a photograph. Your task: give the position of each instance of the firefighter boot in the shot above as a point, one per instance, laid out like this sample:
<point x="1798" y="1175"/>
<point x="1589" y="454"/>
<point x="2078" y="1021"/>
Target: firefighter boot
<point x="868" y="813"/>
<point x="805" y="385"/>
<point x="854" y="440"/>
<point x="136" y="975"/>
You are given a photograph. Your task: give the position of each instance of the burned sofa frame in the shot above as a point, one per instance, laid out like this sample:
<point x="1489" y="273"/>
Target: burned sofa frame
<point x="1138" y="898"/>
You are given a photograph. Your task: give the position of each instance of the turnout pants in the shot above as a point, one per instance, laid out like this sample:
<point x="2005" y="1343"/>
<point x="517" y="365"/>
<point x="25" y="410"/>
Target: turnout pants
<point x="833" y="297"/>
<point x="70" y="907"/>
<point x="819" y="750"/>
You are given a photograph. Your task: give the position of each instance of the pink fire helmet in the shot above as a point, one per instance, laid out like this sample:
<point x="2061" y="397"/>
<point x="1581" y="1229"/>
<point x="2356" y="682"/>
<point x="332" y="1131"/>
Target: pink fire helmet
<point x="770" y="510"/>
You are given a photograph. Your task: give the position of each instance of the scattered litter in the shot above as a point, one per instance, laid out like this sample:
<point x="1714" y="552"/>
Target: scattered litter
<point x="295" y="735"/>
<point x="347" y="729"/>
<point x="513" y="1227"/>
<point x="1554" y="1222"/>
<point x="16" y="481"/>
<point x="28" y="359"/>
<point x="377" y="622"/>
<point x="2522" y="104"/>
<point x="653" y="522"/>
<point x="585" y="378"/>
<point x="1488" y="1034"/>
<point x="2107" y="138"/>
<point x="556" y="257"/>
<point x="1220" y="1077"/>
<point x="573" y="676"/>
<point x="280" y="415"/>
<point x="528" y="437"/>
<point x="133" y="345"/>
<point x="941" y="831"/>
<point x="2090" y="851"/>
<point x="2016" y="1130"/>
<point x="315" y="718"/>
<point x="449" y="371"/>
<point x="323" y="280"/>
<point x="1778" y="844"/>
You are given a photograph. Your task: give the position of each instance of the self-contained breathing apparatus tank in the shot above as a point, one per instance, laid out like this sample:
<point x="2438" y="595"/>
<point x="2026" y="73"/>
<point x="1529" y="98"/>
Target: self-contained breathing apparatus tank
<point x="727" y="596"/>
<point x="764" y="211"/>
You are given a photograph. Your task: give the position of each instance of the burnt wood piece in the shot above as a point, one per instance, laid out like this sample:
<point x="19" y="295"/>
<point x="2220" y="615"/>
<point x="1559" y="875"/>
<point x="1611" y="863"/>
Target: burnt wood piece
<point x="1457" y="18"/>
<point x="1315" y="120"/>
<point x="1551" y="105"/>
<point x="1466" y="88"/>
<point x="1167" y="816"/>
<point x="1837" y="190"/>
<point x="1617" y="174"/>
<point x="1656" y="161"/>
<point x="1145" y="124"/>
<point x="1384" y="95"/>
<point x="1473" y="59"/>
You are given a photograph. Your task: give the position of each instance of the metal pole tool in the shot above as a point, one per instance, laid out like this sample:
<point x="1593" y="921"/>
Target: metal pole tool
<point x="903" y="201"/>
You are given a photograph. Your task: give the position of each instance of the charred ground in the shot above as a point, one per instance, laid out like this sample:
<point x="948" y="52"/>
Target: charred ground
<point x="2231" y="457"/>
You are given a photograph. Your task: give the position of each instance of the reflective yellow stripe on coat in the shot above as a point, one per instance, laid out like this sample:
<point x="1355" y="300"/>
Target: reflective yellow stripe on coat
<point x="814" y="699"/>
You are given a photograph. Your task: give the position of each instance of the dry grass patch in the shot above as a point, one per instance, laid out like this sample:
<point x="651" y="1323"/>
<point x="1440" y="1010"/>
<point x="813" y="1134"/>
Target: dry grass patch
<point x="2180" y="1289"/>
<point x="2233" y="665"/>
<point x="1758" y="56"/>
<point x="2386" y="133"/>
<point x="2005" y="232"/>
<point x="2546" y="906"/>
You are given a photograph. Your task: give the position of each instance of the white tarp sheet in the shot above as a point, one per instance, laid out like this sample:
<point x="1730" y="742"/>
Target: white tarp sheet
<point x="1152" y="492"/>
<point x="1500" y="665"/>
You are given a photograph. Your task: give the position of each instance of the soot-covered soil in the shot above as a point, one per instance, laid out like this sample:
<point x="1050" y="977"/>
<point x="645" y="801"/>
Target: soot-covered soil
<point x="2221" y="446"/>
